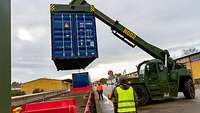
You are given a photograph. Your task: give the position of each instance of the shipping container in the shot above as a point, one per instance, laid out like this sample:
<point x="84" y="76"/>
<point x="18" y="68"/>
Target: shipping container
<point x="80" y="80"/>
<point x="73" y="38"/>
<point x="80" y="89"/>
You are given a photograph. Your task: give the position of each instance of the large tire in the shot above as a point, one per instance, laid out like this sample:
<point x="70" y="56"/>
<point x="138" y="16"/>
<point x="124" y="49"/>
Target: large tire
<point x="142" y="95"/>
<point x="188" y="89"/>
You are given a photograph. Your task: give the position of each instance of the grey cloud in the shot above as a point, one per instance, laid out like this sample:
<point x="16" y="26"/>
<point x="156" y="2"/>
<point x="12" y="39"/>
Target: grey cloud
<point x="173" y="25"/>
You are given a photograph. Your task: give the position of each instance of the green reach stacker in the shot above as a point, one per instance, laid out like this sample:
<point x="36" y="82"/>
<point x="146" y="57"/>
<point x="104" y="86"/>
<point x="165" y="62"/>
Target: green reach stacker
<point x="159" y="78"/>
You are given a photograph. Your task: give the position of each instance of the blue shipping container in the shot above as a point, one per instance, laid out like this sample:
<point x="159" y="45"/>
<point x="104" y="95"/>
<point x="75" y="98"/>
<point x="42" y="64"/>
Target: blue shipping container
<point x="80" y="79"/>
<point x="74" y="42"/>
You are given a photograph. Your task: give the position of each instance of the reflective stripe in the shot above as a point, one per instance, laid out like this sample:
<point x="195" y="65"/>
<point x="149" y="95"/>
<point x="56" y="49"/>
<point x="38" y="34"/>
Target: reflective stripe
<point x="126" y="101"/>
<point x="126" y="107"/>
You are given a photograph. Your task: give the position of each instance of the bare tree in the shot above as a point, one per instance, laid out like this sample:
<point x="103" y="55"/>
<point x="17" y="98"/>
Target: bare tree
<point x="15" y="85"/>
<point x="190" y="51"/>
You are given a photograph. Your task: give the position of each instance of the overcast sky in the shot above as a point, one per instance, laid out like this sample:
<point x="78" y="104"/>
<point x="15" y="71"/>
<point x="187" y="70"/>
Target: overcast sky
<point x="168" y="24"/>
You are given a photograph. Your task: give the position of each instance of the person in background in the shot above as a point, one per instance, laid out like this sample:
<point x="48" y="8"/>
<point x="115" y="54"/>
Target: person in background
<point x="124" y="97"/>
<point x="99" y="89"/>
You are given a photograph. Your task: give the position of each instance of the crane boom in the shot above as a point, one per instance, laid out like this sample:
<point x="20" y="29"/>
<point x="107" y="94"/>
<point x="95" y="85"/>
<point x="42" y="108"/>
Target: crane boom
<point x="125" y="34"/>
<point x="158" y="77"/>
<point x="131" y="36"/>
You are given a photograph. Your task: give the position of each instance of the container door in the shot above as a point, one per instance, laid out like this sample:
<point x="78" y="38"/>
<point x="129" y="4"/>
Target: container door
<point x="91" y="41"/>
<point x="74" y="35"/>
<point x="68" y="35"/>
<point x="85" y="35"/>
<point x="80" y="35"/>
<point x="57" y="47"/>
<point x="62" y="40"/>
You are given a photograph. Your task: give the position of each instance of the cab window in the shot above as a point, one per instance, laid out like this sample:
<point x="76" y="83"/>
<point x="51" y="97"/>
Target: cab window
<point x="160" y="66"/>
<point x="151" y="68"/>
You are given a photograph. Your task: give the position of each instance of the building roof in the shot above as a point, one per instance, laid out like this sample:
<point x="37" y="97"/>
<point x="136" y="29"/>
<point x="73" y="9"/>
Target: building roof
<point x="188" y="56"/>
<point x="68" y="80"/>
<point x="15" y="89"/>
<point x="41" y="79"/>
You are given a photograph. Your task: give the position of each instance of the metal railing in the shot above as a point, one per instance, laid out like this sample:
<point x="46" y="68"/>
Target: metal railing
<point x="20" y="100"/>
<point x="90" y="105"/>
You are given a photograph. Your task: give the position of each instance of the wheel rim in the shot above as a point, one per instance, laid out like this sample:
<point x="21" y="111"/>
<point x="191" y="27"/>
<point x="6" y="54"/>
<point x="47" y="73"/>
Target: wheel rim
<point x="142" y="96"/>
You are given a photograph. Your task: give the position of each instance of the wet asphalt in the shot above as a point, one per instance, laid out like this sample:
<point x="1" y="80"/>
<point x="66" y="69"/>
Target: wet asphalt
<point x="175" y="105"/>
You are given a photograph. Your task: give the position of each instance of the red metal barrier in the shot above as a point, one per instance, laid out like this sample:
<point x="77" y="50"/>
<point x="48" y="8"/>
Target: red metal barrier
<point x="59" y="106"/>
<point x="87" y="108"/>
<point x="81" y="89"/>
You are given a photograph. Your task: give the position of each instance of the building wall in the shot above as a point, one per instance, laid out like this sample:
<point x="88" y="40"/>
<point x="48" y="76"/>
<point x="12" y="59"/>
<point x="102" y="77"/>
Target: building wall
<point x="183" y="60"/>
<point x="188" y="65"/>
<point x="45" y="84"/>
<point x="196" y="69"/>
<point x="192" y="62"/>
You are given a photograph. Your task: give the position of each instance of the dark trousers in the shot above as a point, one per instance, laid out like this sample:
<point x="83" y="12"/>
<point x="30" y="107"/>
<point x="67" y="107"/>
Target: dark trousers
<point x="115" y="108"/>
<point x="100" y="93"/>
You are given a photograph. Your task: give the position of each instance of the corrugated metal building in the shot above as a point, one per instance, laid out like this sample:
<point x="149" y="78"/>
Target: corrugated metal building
<point x="192" y="62"/>
<point x="45" y="84"/>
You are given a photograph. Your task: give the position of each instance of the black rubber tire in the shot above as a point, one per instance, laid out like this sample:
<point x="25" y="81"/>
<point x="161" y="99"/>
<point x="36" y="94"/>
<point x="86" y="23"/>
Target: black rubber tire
<point x="142" y="94"/>
<point x="188" y="89"/>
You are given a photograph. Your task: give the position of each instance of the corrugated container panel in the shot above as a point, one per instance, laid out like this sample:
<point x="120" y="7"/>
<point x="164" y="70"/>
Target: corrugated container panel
<point x="74" y="42"/>
<point x="80" y="80"/>
<point x="80" y="89"/>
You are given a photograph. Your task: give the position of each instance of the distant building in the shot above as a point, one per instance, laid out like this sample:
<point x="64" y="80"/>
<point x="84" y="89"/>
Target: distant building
<point x="15" y="89"/>
<point x="192" y="62"/>
<point x="45" y="84"/>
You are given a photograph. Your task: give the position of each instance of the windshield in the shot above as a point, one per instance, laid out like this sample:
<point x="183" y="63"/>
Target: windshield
<point x="142" y="69"/>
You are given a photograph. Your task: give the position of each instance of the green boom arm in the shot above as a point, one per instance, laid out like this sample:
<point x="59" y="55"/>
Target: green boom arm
<point x="124" y="33"/>
<point x="132" y="38"/>
<point x="77" y="2"/>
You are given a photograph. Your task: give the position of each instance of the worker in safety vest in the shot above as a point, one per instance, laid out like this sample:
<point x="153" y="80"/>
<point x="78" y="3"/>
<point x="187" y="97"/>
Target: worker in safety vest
<point x="124" y="97"/>
<point x="99" y="89"/>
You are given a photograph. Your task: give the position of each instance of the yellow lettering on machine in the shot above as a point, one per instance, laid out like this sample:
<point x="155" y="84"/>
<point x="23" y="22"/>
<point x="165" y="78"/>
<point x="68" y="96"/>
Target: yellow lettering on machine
<point x="129" y="33"/>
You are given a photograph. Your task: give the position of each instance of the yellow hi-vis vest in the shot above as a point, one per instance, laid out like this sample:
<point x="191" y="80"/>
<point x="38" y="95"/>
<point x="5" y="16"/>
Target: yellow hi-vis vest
<point x="126" y="100"/>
